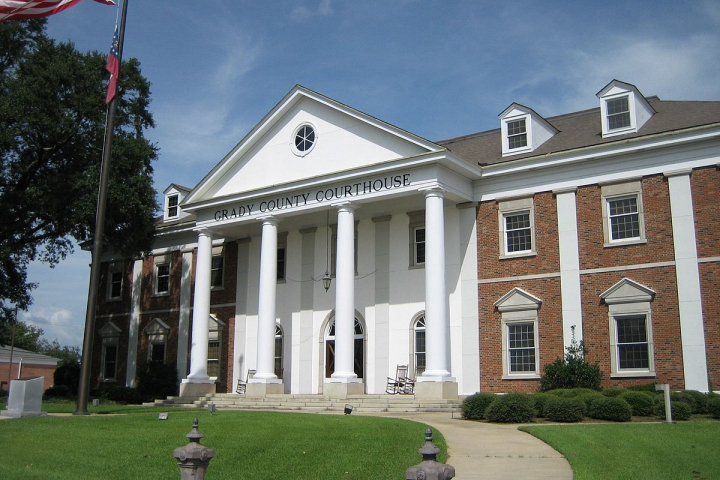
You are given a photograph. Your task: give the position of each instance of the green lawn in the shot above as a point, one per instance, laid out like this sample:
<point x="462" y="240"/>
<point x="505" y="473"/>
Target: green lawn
<point x="637" y="451"/>
<point x="248" y="445"/>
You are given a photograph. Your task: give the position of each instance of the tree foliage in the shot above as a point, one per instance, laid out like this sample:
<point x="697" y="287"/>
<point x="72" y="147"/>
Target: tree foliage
<point x="52" y="127"/>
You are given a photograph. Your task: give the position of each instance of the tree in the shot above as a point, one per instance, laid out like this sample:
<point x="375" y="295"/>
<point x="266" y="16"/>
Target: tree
<point x="27" y="336"/>
<point x="52" y="126"/>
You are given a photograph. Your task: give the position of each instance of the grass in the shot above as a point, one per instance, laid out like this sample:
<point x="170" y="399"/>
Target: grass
<point x="247" y="445"/>
<point x="637" y="451"/>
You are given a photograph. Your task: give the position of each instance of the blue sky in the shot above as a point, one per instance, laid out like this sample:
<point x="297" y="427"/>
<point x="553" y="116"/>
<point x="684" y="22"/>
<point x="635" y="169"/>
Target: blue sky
<point x="437" y="68"/>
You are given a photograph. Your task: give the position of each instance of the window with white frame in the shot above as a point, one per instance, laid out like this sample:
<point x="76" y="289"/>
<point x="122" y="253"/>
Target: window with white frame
<point x="516" y="134"/>
<point x="618" y="113"/>
<point x="161" y="280"/>
<point x="172" y="205"/>
<point x="419" y="345"/>
<point x="623" y="219"/>
<point x="520" y="338"/>
<point x="215" y="328"/>
<point x="631" y="339"/>
<point x="417" y="238"/>
<point x="115" y="281"/>
<point x="281" y="256"/>
<point x="157" y="334"/>
<point x="278" y="351"/>
<point x="517" y="221"/>
<point x="110" y="335"/>
<point x="217" y="268"/>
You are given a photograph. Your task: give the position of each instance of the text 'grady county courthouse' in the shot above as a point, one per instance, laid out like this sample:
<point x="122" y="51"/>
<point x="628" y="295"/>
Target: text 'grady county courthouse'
<point x="473" y="260"/>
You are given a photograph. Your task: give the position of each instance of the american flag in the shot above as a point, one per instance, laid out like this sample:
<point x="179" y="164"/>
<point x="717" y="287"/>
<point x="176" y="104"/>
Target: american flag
<point x="24" y="9"/>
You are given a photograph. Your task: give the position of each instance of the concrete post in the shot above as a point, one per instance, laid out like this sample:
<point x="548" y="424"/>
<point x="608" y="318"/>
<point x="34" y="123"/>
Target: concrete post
<point x="430" y="468"/>
<point x="193" y="459"/>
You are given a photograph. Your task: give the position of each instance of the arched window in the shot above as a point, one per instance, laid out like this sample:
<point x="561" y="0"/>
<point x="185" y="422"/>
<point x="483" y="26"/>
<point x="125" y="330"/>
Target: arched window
<point x="278" y="351"/>
<point x="419" y="344"/>
<point x="359" y="347"/>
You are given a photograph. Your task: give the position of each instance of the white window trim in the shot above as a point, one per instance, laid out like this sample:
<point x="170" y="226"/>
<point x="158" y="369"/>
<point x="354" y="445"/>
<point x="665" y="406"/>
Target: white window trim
<point x="417" y="221"/>
<point x="518" y="306"/>
<point x="607" y="132"/>
<point x="510" y="207"/>
<point x="629" y="298"/>
<point x="176" y="206"/>
<point x="618" y="191"/>
<point x="113" y="269"/>
<point x="412" y="365"/>
<point x="215" y="332"/>
<point x="157" y="334"/>
<point x="506" y="150"/>
<point x="294" y="149"/>
<point x="110" y="334"/>
<point x="218" y="252"/>
<point x="157" y="261"/>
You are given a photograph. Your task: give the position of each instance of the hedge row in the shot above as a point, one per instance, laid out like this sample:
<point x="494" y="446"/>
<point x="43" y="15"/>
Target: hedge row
<point x="573" y="405"/>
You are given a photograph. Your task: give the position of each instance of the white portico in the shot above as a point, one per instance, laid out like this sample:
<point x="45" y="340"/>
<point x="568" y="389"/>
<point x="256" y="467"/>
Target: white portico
<point x="317" y="187"/>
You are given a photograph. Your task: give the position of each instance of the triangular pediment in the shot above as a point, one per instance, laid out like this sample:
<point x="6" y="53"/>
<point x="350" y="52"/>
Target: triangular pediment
<point x="110" y="330"/>
<point x="627" y="291"/>
<point x="157" y="327"/>
<point x="343" y="139"/>
<point x="517" y="300"/>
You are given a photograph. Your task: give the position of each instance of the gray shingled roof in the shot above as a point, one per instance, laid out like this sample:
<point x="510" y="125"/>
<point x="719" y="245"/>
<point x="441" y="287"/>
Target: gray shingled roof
<point x="583" y="129"/>
<point x="26" y="356"/>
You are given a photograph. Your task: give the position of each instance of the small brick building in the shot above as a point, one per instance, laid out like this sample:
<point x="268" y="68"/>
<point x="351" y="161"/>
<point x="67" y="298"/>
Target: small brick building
<point x="26" y="364"/>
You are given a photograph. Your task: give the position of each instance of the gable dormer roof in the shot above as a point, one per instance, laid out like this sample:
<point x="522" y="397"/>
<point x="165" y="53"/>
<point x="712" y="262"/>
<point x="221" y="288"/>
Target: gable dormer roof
<point x="174" y="196"/>
<point x="623" y="109"/>
<point x="523" y="130"/>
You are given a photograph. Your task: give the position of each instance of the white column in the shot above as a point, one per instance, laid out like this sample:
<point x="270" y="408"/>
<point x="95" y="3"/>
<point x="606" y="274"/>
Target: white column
<point x="569" y="250"/>
<point x="135" y="309"/>
<point x="436" y="324"/>
<point x="184" y="315"/>
<point x="688" y="281"/>
<point x="345" y="295"/>
<point x="266" y="302"/>
<point x="201" y="311"/>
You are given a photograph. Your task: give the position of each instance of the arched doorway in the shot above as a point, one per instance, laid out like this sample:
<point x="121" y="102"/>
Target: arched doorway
<point x="359" y="360"/>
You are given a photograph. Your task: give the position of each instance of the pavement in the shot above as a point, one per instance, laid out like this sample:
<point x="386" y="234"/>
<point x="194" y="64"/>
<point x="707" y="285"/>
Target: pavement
<point x="481" y="450"/>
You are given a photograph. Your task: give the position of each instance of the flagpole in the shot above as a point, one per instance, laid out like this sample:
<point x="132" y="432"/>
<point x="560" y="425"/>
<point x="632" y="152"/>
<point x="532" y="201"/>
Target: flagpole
<point x="85" y="364"/>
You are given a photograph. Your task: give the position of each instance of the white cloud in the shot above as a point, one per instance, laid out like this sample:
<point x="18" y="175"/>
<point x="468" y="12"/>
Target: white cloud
<point x="300" y="13"/>
<point x="57" y="324"/>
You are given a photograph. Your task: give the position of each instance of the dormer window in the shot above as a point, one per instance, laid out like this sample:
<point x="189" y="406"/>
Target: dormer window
<point x="517" y="134"/>
<point x="523" y="130"/>
<point x="618" y="113"/>
<point x="623" y="109"/>
<point x="172" y="211"/>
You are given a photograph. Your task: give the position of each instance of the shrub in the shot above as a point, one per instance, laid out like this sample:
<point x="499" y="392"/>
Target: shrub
<point x="714" y="406"/>
<point x="67" y="374"/>
<point x="589" y="398"/>
<point x="540" y="400"/>
<point x="680" y="410"/>
<point x="611" y="408"/>
<point x="613" y="392"/>
<point x="158" y="380"/>
<point x="648" y="387"/>
<point x="641" y="402"/>
<point x="511" y="408"/>
<point x="565" y="410"/>
<point x="117" y="393"/>
<point x="572" y="372"/>
<point x="698" y="400"/>
<point x="474" y="406"/>
<point x="577" y="392"/>
<point x="59" y="391"/>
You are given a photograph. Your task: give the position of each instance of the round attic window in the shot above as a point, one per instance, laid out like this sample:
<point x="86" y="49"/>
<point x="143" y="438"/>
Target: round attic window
<point x="304" y="139"/>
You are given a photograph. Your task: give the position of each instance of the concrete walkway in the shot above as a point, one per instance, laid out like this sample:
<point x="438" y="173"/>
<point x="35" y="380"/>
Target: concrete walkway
<point x="492" y="451"/>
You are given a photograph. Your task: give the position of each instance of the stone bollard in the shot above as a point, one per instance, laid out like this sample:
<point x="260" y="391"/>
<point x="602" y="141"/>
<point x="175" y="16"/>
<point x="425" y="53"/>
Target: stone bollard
<point x="430" y="468"/>
<point x="193" y="459"/>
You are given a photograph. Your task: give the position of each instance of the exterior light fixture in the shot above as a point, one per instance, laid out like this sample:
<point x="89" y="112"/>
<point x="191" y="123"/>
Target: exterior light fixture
<point x="326" y="279"/>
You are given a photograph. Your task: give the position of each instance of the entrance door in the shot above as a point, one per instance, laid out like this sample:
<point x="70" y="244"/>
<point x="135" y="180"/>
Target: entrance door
<point x="359" y="346"/>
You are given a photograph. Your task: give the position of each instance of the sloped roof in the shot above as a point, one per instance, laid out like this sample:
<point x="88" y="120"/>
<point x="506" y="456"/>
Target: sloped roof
<point x="584" y="129"/>
<point x="27" y="357"/>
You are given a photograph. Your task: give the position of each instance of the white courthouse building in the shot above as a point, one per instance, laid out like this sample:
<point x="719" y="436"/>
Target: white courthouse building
<point x="329" y="247"/>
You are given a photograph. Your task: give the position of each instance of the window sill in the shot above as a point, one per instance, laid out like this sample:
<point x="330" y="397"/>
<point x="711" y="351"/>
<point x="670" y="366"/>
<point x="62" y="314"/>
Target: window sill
<point x="163" y="294"/>
<point x="419" y="266"/>
<point x="114" y="299"/>
<point x="634" y="374"/>
<point x="636" y="241"/>
<point x="518" y="255"/>
<point x="533" y="376"/>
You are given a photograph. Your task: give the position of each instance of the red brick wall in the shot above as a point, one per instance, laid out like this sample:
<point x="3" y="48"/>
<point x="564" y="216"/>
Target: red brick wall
<point x="28" y="371"/>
